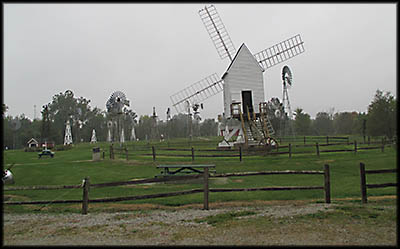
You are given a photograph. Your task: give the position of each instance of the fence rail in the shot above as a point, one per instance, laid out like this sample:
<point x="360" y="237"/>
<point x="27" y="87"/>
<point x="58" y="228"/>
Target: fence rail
<point x="42" y="187"/>
<point x="238" y="153"/>
<point x="363" y="180"/>
<point x="86" y="186"/>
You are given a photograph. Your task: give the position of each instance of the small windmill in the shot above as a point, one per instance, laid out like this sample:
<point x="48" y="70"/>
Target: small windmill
<point x="122" y="137"/>
<point x="242" y="83"/>
<point x="109" y="127"/>
<point x="93" y="139"/>
<point x="287" y="117"/>
<point x="68" y="135"/>
<point x="154" y="130"/>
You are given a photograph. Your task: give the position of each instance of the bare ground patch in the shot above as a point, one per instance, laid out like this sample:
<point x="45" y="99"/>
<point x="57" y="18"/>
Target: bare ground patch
<point x="233" y="223"/>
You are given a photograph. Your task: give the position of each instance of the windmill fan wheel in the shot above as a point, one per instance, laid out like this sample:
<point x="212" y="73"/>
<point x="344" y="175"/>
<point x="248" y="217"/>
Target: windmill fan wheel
<point x="116" y="102"/>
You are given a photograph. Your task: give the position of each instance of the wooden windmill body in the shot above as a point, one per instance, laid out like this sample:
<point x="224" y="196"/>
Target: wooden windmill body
<point x="245" y="109"/>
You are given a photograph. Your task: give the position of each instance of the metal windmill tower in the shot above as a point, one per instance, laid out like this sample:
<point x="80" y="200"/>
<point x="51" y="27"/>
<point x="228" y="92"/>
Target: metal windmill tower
<point x="286" y="121"/>
<point x="68" y="135"/>
<point x="115" y="105"/>
<point x="93" y="139"/>
<point x="238" y="99"/>
<point x="154" y="130"/>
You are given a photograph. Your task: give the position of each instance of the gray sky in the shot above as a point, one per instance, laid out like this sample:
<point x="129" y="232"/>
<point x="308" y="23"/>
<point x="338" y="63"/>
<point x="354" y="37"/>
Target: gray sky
<point x="151" y="51"/>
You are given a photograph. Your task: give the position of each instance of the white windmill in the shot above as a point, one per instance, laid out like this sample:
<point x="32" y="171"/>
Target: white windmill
<point x="242" y="83"/>
<point x="109" y="127"/>
<point x="68" y="135"/>
<point x="122" y="137"/>
<point x="93" y="139"/>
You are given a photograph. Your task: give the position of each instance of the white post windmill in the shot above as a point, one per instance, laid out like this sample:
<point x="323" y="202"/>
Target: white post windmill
<point x="242" y="83"/>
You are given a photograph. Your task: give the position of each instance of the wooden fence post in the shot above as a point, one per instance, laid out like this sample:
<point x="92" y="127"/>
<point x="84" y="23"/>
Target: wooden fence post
<point x="85" y="197"/>
<point x="327" y="185"/>
<point x="111" y="151"/>
<point x="205" y="203"/>
<point x="126" y="151"/>
<point x="317" y="146"/>
<point x="290" y="150"/>
<point x="192" y="154"/>
<point x="355" y="146"/>
<point x="327" y="139"/>
<point x="154" y="153"/>
<point x="369" y="140"/>
<point x="383" y="145"/>
<point x="363" y="183"/>
<point x="348" y="141"/>
<point x="240" y="153"/>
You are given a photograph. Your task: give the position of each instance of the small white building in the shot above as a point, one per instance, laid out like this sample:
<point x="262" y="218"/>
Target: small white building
<point x="243" y="82"/>
<point x="32" y="143"/>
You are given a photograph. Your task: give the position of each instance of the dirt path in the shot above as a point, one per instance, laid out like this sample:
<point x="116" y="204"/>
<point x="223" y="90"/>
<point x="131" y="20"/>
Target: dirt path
<point x="261" y="223"/>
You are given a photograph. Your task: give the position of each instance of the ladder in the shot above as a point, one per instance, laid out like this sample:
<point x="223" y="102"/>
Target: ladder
<point x="267" y="126"/>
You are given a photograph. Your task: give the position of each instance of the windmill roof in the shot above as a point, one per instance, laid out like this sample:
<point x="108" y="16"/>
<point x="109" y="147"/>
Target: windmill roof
<point x="234" y="59"/>
<point x="32" y="140"/>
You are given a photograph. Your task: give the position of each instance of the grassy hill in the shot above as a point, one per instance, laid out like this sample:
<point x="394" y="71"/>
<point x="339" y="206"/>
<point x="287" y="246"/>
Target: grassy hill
<point x="69" y="167"/>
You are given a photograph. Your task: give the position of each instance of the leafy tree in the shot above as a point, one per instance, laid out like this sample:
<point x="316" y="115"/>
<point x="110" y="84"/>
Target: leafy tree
<point x="65" y="106"/>
<point x="208" y="127"/>
<point x="381" y="118"/>
<point x="96" y="119"/>
<point x="302" y="122"/>
<point x="7" y="131"/>
<point x="179" y="125"/>
<point x="323" y="124"/>
<point x="343" y="122"/>
<point x="45" y="134"/>
<point x="143" y="129"/>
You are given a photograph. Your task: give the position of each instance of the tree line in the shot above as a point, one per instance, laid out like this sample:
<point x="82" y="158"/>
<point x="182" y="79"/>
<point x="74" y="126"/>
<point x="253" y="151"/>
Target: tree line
<point x="380" y="120"/>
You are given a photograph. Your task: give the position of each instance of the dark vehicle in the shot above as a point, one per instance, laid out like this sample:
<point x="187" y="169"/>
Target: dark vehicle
<point x="46" y="153"/>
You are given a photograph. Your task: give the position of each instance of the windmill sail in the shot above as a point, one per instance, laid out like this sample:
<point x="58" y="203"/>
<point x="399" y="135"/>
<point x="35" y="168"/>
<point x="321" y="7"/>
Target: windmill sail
<point x="217" y="32"/>
<point x="280" y="52"/>
<point x="197" y="92"/>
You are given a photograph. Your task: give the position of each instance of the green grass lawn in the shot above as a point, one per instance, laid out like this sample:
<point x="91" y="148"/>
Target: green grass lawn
<point x="69" y="167"/>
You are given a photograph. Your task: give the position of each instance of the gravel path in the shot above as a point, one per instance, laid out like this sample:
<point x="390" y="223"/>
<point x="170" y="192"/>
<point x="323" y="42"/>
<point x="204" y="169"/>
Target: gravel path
<point x="168" y="227"/>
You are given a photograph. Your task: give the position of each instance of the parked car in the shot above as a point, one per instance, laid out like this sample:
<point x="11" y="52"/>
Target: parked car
<point x="46" y="152"/>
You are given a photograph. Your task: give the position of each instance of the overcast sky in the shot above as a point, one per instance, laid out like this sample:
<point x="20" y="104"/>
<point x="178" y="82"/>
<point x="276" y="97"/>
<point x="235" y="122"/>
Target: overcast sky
<point x="151" y="51"/>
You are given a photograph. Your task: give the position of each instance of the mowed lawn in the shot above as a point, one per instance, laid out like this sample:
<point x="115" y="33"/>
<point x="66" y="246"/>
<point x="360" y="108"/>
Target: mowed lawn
<point x="70" y="167"/>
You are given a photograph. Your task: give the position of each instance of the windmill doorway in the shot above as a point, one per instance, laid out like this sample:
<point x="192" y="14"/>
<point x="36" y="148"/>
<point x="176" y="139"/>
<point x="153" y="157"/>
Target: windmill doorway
<point x="247" y="102"/>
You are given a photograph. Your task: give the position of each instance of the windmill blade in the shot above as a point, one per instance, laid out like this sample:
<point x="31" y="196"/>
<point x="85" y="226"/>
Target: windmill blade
<point x="197" y="92"/>
<point x="217" y="32"/>
<point x="280" y="52"/>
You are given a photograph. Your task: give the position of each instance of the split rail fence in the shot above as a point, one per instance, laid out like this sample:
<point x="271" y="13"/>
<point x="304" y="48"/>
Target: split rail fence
<point x="240" y="153"/>
<point x="364" y="185"/>
<point x="86" y="186"/>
